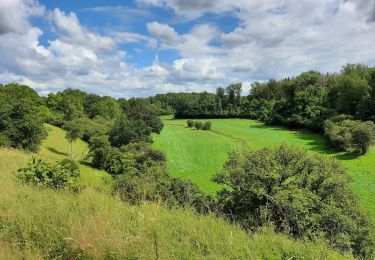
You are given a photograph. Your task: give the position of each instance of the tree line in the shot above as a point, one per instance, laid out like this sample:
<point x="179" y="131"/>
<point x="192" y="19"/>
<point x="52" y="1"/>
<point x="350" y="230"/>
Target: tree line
<point x="305" y="101"/>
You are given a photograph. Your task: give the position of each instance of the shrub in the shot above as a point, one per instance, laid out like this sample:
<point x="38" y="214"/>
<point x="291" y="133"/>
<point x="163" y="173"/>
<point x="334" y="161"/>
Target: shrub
<point x="198" y="125"/>
<point x="190" y="123"/>
<point x="363" y="135"/>
<point x="206" y="125"/>
<point x="303" y="195"/>
<point x="348" y="135"/>
<point x="62" y="175"/>
<point x="4" y="141"/>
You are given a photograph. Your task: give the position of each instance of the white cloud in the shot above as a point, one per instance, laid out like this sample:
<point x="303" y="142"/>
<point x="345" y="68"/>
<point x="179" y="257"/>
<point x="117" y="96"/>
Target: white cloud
<point x="273" y="39"/>
<point x="129" y="37"/>
<point x="166" y="34"/>
<point x="14" y="15"/>
<point x="71" y="31"/>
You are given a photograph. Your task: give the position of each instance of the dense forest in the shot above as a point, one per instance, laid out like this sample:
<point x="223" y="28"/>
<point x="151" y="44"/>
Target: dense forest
<point x="301" y="195"/>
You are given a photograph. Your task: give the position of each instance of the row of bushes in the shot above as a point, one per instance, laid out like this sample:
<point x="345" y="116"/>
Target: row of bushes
<point x="199" y="125"/>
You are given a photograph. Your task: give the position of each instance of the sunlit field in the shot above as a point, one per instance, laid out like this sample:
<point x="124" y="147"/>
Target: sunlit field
<point x="198" y="155"/>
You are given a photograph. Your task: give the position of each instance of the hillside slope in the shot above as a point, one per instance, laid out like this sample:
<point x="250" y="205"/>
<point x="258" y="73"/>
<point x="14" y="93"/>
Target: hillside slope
<point x="40" y="223"/>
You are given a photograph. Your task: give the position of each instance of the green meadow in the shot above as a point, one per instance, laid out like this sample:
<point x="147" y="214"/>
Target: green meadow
<point x="198" y="155"/>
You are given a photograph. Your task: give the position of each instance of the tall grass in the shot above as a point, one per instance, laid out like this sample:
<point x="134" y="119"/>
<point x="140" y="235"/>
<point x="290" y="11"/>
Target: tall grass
<point x="46" y="223"/>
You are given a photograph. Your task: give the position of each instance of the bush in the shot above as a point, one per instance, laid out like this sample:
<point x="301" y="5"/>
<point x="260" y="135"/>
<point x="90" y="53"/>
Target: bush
<point x="206" y="125"/>
<point x="350" y="135"/>
<point x="4" y="141"/>
<point x="363" y="135"/>
<point x="63" y="175"/>
<point x="198" y="125"/>
<point x="303" y="195"/>
<point x="190" y="123"/>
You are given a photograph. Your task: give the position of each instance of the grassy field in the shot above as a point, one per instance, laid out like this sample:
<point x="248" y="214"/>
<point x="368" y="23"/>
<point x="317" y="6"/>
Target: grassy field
<point x="197" y="155"/>
<point x="47" y="224"/>
<point x="55" y="147"/>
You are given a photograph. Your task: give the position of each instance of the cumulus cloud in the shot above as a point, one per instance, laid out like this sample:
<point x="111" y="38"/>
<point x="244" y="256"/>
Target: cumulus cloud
<point x="272" y="39"/>
<point x="71" y="31"/>
<point x="14" y="15"/>
<point x="166" y="34"/>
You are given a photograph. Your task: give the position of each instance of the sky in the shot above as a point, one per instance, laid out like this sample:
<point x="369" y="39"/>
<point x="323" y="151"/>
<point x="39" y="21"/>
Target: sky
<point x="143" y="47"/>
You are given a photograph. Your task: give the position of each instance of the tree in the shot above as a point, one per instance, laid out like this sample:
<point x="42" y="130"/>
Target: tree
<point x="73" y="132"/>
<point x="21" y="122"/>
<point x="303" y="195"/>
<point x="126" y="131"/>
<point x="140" y="109"/>
<point x="234" y="94"/>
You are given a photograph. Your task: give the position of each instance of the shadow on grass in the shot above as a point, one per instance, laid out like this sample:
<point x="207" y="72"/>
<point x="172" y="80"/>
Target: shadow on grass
<point x="53" y="150"/>
<point x="315" y="142"/>
<point x="348" y="156"/>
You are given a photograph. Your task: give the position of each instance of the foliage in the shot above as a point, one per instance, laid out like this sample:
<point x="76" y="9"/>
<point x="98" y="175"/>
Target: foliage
<point x="198" y="125"/>
<point x="190" y="123"/>
<point x="4" y="141"/>
<point x="127" y="130"/>
<point x="301" y="194"/>
<point x="139" y="109"/>
<point x="348" y="135"/>
<point x="62" y="175"/>
<point x="363" y="135"/>
<point x="206" y="125"/>
<point x="21" y="123"/>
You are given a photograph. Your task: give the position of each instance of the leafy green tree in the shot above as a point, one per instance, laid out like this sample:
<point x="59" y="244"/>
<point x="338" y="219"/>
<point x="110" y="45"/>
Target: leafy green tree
<point x="139" y="109"/>
<point x="104" y="107"/>
<point x="303" y="195"/>
<point x="73" y="132"/>
<point x="220" y="98"/>
<point x="20" y="119"/>
<point x="126" y="131"/>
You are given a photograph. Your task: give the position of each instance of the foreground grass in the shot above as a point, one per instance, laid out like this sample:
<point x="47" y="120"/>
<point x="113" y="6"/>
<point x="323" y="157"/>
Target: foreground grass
<point x="41" y="223"/>
<point x="198" y="155"/>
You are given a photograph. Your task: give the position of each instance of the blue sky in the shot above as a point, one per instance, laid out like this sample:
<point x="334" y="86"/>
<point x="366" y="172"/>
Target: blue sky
<point x="144" y="47"/>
